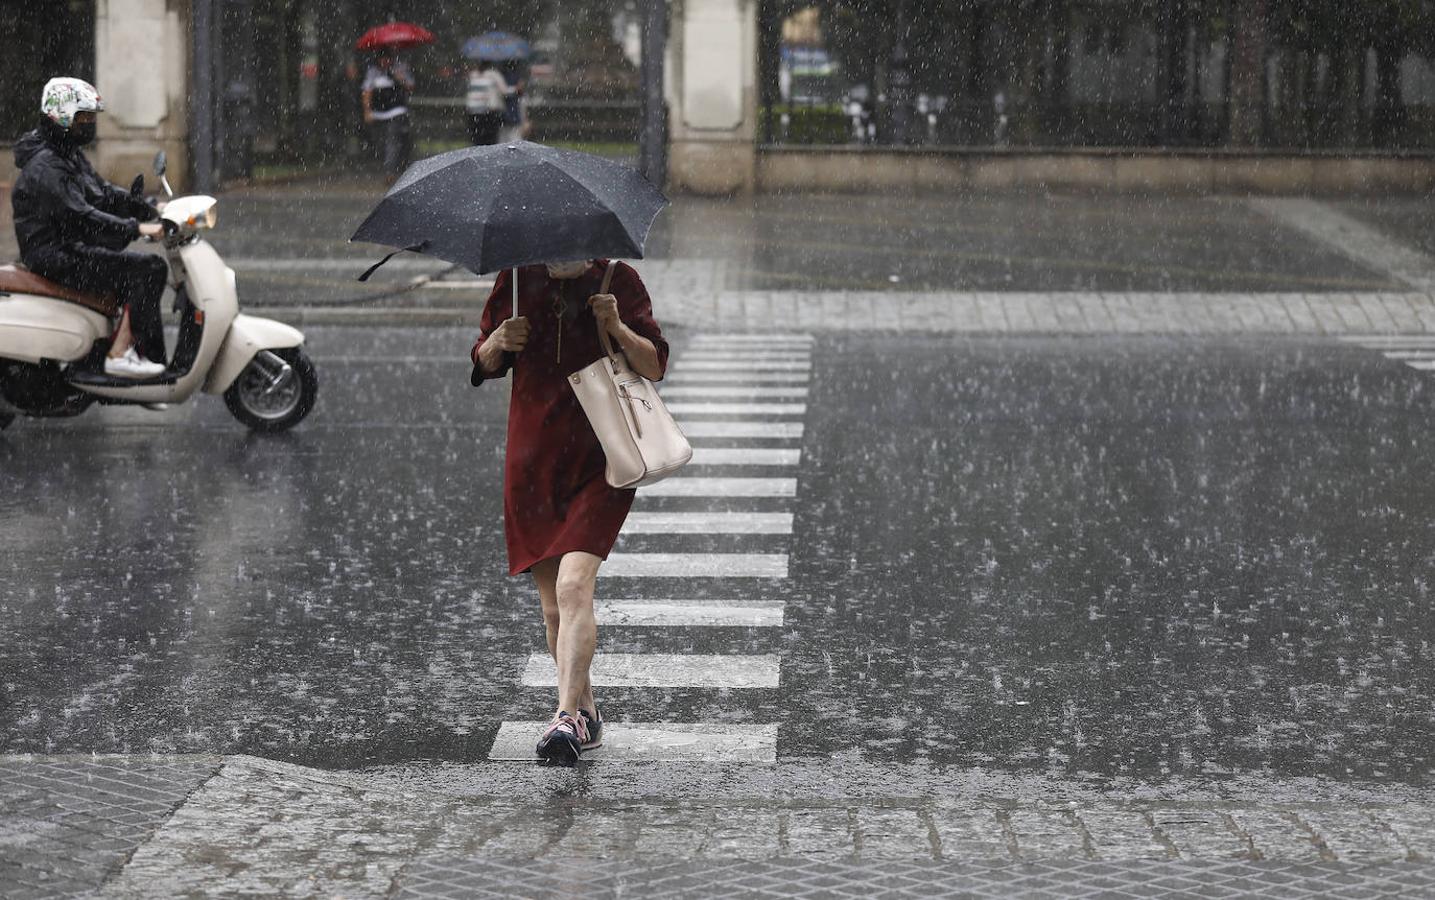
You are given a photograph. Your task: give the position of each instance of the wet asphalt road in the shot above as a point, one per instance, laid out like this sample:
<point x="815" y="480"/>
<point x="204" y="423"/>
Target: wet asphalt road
<point x="1135" y="556"/>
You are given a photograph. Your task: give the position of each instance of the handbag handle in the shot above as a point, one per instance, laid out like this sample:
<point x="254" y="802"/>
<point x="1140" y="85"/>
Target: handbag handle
<point x="603" y="332"/>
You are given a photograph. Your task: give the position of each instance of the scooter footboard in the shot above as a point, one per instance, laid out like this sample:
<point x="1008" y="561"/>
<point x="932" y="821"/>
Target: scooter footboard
<point x="247" y="336"/>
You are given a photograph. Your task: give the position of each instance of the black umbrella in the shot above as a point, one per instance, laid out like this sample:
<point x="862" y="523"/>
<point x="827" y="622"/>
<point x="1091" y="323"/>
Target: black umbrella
<point x="509" y="205"/>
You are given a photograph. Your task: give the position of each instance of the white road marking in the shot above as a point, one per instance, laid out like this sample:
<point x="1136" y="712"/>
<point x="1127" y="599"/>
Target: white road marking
<point x="692" y="486"/>
<point x="740" y="356"/>
<point x="1352" y="237"/>
<point x="736" y="409"/>
<point x="695" y="565"/>
<point x="665" y="670"/>
<point x="734" y="392"/>
<point x="743" y="337"/>
<point x="1409" y="354"/>
<point x="721" y="365"/>
<point x="652" y="742"/>
<point x="708" y="523"/>
<point x="1421" y="365"/>
<point x="1382" y="340"/>
<point x="718" y="429"/>
<point x="691" y="613"/>
<point x="740" y="378"/>
<point x="746" y="456"/>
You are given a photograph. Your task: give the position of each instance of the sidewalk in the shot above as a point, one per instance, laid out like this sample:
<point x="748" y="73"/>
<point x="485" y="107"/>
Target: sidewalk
<point x="967" y="313"/>
<point x="148" y="826"/>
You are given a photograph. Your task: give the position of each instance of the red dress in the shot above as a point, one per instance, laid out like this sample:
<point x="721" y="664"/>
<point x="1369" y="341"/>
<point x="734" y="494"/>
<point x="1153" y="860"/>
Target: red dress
<point x="555" y="498"/>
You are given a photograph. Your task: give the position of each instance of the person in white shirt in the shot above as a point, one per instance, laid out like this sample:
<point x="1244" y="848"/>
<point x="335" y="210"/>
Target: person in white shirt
<point x="386" y="89"/>
<point x="485" y="102"/>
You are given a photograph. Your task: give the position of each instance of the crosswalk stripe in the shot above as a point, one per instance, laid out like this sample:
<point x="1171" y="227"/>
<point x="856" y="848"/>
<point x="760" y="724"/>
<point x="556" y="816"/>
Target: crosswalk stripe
<point x="1409" y="354"/>
<point x="741" y="378"/>
<point x="1421" y="365"/>
<point x="746" y="456"/>
<point x="700" y="408"/>
<point x="745" y="366"/>
<point x="696" y="565"/>
<point x="719" y="429"/>
<point x="740" y="357"/>
<point x="695" y="486"/>
<point x="1379" y="340"/>
<point x="708" y="522"/>
<point x="667" y="670"/>
<point x="691" y="613"/>
<point x="734" y="392"/>
<point x="741" y="337"/>
<point x="652" y="742"/>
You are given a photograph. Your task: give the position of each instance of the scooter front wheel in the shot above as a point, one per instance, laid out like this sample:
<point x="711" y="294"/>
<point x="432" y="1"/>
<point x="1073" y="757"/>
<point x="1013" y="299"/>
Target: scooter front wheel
<point x="275" y="391"/>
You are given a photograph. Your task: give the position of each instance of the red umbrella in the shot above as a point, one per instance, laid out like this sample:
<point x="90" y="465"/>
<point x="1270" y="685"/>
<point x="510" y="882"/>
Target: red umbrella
<point x="394" y="36"/>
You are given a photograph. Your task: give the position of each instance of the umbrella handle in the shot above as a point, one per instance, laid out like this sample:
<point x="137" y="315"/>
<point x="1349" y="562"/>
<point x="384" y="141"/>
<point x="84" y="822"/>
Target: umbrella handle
<point x="514" y="279"/>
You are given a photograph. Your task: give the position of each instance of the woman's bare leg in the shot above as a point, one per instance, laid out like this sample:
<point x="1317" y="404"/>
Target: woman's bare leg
<point x="124" y="337"/>
<point x="545" y="576"/>
<point x="577" y="630"/>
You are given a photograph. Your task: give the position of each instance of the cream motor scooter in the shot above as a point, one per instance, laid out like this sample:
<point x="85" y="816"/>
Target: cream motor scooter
<point x="53" y="340"/>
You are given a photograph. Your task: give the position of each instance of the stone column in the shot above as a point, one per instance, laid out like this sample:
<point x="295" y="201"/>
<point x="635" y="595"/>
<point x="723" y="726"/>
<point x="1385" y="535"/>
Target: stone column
<point x="712" y="96"/>
<point x="142" y="72"/>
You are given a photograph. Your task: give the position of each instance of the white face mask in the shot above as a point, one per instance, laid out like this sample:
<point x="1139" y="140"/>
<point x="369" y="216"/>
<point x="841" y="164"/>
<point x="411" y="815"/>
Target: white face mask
<point x="571" y="269"/>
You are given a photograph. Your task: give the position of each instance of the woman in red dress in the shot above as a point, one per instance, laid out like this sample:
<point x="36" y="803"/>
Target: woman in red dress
<point x="560" y="516"/>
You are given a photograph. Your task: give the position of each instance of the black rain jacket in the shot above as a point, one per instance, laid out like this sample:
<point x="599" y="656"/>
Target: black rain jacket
<point x="61" y="203"/>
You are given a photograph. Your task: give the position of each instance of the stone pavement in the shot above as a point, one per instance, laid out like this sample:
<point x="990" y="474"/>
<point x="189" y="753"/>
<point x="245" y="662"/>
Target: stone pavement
<point x="683" y="300"/>
<point x="145" y="826"/>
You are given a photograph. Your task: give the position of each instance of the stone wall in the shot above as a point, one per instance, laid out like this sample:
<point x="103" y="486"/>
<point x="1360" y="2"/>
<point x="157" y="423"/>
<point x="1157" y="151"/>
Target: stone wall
<point x="142" y="68"/>
<point x="711" y="84"/>
<point x="898" y="169"/>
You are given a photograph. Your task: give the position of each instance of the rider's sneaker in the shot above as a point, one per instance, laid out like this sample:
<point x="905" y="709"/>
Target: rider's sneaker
<point x="131" y="366"/>
<point x="594" y="723"/>
<point x="562" y="740"/>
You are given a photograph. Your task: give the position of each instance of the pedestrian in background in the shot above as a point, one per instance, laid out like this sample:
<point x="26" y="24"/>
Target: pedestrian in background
<point x="486" y="102"/>
<point x="560" y="515"/>
<point x="515" y="112"/>
<point x="386" y="89"/>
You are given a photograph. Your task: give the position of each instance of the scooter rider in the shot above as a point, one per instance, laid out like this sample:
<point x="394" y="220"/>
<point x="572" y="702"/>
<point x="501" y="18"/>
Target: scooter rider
<point x="73" y="226"/>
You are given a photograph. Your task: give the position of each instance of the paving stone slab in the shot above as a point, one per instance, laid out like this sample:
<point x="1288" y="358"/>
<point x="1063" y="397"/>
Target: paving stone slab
<point x="489" y="877"/>
<point x="264" y="827"/>
<point x="69" y="822"/>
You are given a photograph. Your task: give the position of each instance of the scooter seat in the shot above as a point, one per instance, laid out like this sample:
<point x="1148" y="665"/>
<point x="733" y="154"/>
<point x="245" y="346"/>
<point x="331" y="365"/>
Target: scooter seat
<point x="16" y="279"/>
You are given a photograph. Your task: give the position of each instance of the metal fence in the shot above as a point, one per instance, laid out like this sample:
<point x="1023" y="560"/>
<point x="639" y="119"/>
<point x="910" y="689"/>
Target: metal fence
<point x="1098" y="74"/>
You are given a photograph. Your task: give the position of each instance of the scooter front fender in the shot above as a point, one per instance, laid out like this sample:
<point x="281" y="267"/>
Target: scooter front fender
<point x="247" y="336"/>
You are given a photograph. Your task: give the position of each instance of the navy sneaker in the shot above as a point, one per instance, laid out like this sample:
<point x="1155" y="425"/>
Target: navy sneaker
<point x="594" y="723"/>
<point x="562" y="741"/>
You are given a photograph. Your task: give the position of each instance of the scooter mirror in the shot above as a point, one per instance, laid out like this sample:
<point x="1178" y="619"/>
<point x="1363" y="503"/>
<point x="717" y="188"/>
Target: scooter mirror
<point x="161" y="163"/>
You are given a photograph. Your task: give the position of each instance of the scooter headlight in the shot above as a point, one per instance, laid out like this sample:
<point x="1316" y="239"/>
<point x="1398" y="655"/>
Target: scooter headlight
<point x="210" y="217"/>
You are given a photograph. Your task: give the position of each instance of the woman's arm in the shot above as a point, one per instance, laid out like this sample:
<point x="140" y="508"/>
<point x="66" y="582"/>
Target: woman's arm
<point x="642" y="354"/>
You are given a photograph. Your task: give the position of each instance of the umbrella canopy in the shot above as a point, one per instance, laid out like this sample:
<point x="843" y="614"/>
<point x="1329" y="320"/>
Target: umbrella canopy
<point x="495" y="207"/>
<point x="394" y="36"/>
<point x="499" y="46"/>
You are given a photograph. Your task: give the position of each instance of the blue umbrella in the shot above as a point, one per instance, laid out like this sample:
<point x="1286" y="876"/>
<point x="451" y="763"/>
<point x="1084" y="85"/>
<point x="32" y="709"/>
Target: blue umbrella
<point x="499" y="46"/>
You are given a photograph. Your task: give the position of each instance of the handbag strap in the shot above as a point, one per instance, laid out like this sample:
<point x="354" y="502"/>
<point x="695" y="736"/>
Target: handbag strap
<point x="603" y="332"/>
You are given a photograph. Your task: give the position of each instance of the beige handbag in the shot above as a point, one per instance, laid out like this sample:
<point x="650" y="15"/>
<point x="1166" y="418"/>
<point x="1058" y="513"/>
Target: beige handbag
<point x="640" y="439"/>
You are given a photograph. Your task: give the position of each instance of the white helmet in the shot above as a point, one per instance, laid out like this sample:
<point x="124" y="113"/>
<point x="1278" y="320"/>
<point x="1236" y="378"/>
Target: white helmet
<point x="63" y="97"/>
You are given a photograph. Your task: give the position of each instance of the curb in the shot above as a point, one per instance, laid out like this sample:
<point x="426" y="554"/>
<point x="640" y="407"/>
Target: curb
<point x="300" y="316"/>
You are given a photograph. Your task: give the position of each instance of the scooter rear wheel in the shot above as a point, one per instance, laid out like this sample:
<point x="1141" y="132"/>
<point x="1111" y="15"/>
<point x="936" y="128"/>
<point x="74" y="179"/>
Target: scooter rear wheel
<point x="264" y="405"/>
